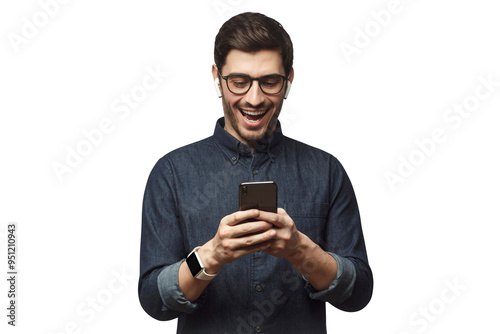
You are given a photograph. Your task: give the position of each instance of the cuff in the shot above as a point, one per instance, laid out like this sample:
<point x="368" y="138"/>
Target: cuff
<point x="170" y="291"/>
<point x="341" y="287"/>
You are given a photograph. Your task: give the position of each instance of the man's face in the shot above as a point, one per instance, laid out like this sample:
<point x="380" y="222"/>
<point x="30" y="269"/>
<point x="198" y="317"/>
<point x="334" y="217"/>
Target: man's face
<point x="253" y="115"/>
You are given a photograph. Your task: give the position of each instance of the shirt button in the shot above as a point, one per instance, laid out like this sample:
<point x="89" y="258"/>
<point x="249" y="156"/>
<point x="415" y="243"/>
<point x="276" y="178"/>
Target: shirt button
<point x="233" y="158"/>
<point x="258" y="329"/>
<point x="258" y="288"/>
<point x="255" y="172"/>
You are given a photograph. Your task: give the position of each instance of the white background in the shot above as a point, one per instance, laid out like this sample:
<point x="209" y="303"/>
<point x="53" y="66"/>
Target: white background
<point x="77" y="233"/>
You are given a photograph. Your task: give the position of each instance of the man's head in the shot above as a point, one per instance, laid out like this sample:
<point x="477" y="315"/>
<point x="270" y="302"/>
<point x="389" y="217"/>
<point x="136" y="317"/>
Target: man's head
<point x="255" y="45"/>
<point x="251" y="32"/>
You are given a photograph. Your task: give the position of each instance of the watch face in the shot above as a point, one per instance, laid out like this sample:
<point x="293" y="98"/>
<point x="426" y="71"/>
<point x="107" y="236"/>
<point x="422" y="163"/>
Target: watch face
<point x="193" y="264"/>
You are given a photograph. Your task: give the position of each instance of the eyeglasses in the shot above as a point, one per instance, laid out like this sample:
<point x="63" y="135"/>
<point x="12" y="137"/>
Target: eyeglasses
<point x="240" y="84"/>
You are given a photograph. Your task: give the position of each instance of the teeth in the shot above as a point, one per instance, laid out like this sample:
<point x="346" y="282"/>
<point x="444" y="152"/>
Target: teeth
<point x="251" y="121"/>
<point x="254" y="113"/>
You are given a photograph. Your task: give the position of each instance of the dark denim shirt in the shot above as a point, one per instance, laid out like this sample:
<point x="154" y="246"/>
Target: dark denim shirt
<point x="192" y="188"/>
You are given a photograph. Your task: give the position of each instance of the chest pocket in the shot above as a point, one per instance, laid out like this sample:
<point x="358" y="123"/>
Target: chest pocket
<point x="310" y="219"/>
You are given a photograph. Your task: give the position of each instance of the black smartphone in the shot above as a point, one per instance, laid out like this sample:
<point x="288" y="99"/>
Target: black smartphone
<point x="259" y="195"/>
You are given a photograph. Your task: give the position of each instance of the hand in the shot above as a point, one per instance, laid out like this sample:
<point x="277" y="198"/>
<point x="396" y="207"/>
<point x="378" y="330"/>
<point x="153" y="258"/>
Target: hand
<point x="236" y="238"/>
<point x="287" y="240"/>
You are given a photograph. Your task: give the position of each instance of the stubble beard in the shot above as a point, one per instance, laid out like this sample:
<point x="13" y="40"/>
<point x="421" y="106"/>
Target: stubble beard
<point x="230" y="118"/>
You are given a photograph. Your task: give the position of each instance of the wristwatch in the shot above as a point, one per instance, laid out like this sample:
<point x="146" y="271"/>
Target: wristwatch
<point x="196" y="266"/>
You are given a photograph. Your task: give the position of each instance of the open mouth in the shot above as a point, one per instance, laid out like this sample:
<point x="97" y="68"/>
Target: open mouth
<point x="253" y="116"/>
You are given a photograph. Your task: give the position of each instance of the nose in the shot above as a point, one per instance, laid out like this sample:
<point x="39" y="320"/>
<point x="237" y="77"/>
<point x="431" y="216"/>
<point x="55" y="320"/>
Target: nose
<point x="255" y="96"/>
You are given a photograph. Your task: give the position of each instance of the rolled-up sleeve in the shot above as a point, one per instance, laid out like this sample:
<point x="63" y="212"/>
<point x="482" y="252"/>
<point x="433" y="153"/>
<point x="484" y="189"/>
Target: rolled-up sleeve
<point x="341" y="288"/>
<point x="352" y="289"/>
<point x="170" y="291"/>
<point x="162" y="249"/>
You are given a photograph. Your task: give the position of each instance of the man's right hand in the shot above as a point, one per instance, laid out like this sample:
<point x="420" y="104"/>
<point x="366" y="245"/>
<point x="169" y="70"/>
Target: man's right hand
<point x="236" y="238"/>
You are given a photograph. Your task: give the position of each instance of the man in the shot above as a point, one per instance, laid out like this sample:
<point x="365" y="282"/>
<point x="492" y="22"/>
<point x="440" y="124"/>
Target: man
<point x="263" y="272"/>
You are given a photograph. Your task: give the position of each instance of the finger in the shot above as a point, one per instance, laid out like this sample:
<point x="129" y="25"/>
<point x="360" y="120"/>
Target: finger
<point x="273" y="218"/>
<point x="250" y="228"/>
<point x="253" y="248"/>
<point x="253" y="240"/>
<point x="282" y="211"/>
<point x="239" y="216"/>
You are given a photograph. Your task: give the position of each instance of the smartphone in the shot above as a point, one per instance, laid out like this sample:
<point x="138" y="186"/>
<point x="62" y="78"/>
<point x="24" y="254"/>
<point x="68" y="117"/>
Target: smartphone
<point x="259" y="195"/>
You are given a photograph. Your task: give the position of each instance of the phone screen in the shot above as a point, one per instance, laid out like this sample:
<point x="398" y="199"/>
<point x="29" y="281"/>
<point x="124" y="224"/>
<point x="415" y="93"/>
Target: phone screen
<point x="259" y="195"/>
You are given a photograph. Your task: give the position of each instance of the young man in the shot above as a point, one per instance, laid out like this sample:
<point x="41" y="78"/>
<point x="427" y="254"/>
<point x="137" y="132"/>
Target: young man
<point x="251" y="271"/>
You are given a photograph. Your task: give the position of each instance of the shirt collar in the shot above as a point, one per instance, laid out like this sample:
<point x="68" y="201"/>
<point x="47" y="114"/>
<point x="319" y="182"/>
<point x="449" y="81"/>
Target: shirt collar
<point x="234" y="149"/>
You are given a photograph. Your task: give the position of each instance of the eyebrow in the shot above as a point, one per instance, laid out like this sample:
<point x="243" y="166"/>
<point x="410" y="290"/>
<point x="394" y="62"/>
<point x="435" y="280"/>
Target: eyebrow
<point x="248" y="75"/>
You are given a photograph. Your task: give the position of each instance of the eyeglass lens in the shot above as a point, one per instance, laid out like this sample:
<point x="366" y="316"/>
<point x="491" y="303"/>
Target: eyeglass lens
<point x="270" y="84"/>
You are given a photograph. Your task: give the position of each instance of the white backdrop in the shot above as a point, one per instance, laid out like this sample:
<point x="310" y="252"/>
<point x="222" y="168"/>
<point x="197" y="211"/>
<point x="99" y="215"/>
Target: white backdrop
<point x="406" y="94"/>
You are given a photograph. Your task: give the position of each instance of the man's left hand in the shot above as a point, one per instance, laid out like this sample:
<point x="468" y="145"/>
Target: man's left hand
<point x="287" y="240"/>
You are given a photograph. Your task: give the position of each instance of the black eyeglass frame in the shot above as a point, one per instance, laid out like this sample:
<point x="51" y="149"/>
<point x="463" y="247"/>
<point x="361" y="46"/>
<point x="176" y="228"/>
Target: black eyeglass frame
<point x="285" y="79"/>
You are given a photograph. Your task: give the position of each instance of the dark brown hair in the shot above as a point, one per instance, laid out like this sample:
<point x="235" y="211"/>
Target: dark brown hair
<point x="250" y="32"/>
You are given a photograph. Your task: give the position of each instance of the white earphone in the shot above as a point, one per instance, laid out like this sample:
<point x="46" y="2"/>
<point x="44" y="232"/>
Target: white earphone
<point x="288" y="87"/>
<point x="217" y="87"/>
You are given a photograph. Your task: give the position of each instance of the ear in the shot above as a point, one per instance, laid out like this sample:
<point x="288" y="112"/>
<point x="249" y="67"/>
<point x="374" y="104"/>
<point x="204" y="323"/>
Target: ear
<point x="288" y="84"/>
<point x="215" y="73"/>
<point x="217" y="86"/>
